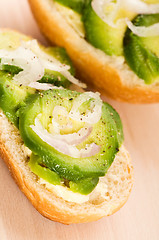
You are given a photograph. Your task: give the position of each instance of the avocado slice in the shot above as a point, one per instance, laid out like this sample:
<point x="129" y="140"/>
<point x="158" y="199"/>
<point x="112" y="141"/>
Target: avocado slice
<point x="104" y="134"/>
<point x="84" y="186"/>
<point x="100" y="34"/>
<point x="76" y="5"/>
<point x="142" y="53"/>
<point x="42" y="171"/>
<point x="12" y="96"/>
<point x="119" y="127"/>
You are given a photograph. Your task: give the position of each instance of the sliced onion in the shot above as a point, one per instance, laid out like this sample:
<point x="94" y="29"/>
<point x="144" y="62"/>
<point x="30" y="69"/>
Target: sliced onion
<point x="34" y="61"/>
<point x="140" y="7"/>
<point x="90" y="150"/>
<point x="49" y="62"/>
<point x="59" y="145"/>
<point x="63" y="146"/>
<point x="75" y="138"/>
<point x="99" y="6"/>
<point x="91" y="116"/>
<point x="25" y="59"/>
<point x="135" y="6"/>
<point x="142" y="31"/>
<point x="54" y="66"/>
<point x="72" y="139"/>
<point x="43" y="86"/>
<point x="73" y="80"/>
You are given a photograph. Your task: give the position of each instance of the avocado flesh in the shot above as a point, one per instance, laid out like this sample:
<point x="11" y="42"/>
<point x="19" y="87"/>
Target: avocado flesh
<point x="119" y="127"/>
<point x="76" y="5"/>
<point x="104" y="133"/>
<point x="85" y="186"/>
<point x="12" y="96"/>
<point x="39" y="169"/>
<point x="150" y="43"/>
<point x="142" y="53"/>
<point x="101" y="35"/>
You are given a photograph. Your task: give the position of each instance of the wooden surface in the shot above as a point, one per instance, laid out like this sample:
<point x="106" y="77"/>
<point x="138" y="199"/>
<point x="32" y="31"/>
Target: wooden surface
<point x="137" y="220"/>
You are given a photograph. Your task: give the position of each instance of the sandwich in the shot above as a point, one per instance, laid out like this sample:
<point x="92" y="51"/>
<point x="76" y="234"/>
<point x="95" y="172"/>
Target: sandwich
<point x="62" y="145"/>
<point x="113" y="44"/>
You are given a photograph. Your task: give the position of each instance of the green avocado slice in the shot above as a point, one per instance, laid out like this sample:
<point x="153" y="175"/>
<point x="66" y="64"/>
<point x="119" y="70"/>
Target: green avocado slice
<point x="42" y="171"/>
<point x="119" y="127"/>
<point x="100" y="34"/>
<point x="84" y="186"/>
<point x="142" y="53"/>
<point x="104" y="134"/>
<point x="12" y="96"/>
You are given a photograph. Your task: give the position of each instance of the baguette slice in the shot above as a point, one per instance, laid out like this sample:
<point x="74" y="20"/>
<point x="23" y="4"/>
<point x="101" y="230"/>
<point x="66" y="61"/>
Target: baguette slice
<point x="114" y="191"/>
<point x="117" y="183"/>
<point x="109" y="75"/>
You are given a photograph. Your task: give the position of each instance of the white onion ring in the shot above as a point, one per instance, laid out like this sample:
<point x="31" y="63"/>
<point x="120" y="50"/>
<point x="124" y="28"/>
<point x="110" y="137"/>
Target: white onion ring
<point x="62" y="145"/>
<point x="90" y="117"/>
<point x="25" y="59"/>
<point x="100" y="5"/>
<point x="76" y="137"/>
<point x="34" y="61"/>
<point x="136" y="6"/>
<point x="142" y="31"/>
<point x="49" y="62"/>
<point x="43" y="86"/>
<point x="140" y="7"/>
<point x="90" y="150"/>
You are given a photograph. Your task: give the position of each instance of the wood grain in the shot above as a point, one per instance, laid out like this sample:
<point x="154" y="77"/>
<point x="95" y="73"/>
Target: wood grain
<point x="137" y="220"/>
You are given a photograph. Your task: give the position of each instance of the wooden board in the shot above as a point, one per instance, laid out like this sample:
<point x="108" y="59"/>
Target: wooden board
<point x="137" y="220"/>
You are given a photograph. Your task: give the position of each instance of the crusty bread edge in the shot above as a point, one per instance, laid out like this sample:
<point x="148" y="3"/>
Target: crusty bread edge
<point x="90" y="67"/>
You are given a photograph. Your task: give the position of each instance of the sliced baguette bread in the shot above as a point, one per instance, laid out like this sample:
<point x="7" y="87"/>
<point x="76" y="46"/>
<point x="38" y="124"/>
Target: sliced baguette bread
<point x="113" y="189"/>
<point x="115" y="186"/>
<point x="109" y="75"/>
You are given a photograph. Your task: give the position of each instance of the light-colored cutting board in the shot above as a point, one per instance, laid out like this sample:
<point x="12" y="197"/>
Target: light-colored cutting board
<point x="137" y="220"/>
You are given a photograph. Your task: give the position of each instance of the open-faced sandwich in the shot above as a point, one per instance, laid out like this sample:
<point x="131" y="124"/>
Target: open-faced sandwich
<point x="113" y="44"/>
<point x="64" y="148"/>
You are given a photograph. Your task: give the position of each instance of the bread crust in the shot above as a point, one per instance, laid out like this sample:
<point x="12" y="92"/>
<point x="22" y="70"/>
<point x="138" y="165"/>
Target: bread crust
<point x="90" y="67"/>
